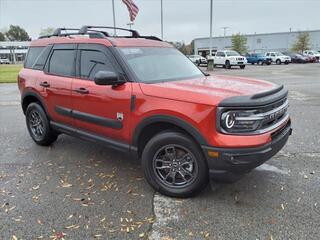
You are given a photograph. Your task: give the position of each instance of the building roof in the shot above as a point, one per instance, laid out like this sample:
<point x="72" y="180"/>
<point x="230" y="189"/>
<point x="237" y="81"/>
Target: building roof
<point x="262" y="34"/>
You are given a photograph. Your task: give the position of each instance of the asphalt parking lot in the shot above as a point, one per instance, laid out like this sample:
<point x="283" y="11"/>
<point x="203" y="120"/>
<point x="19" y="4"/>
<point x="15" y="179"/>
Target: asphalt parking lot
<point x="80" y="190"/>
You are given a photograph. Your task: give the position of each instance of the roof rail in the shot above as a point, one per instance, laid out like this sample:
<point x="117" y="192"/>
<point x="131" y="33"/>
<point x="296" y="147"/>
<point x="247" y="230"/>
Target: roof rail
<point x="58" y="31"/>
<point x="86" y="28"/>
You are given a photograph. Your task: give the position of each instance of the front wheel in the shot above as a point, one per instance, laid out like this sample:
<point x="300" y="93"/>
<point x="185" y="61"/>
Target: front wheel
<point x="278" y="61"/>
<point x="174" y="165"/>
<point x="242" y="66"/>
<point x="39" y="126"/>
<point x="228" y="65"/>
<point x="260" y="62"/>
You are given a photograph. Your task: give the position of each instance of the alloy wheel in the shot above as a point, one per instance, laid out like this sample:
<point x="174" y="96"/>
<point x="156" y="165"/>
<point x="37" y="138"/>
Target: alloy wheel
<point x="175" y="166"/>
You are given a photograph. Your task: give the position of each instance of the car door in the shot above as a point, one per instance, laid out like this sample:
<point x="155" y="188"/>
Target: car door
<point x="59" y="73"/>
<point x="219" y="58"/>
<point x="102" y="110"/>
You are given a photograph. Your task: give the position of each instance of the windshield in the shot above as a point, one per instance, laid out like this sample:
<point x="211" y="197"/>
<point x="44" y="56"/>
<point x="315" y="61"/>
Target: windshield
<point x="232" y="53"/>
<point x="279" y="54"/>
<point x="159" y="64"/>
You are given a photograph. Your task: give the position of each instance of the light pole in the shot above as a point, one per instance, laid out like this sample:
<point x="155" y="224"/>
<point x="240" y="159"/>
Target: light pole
<point x="211" y="10"/>
<point x="224" y="35"/>
<point x="114" y="19"/>
<point x="161" y="7"/>
<point x="130" y="24"/>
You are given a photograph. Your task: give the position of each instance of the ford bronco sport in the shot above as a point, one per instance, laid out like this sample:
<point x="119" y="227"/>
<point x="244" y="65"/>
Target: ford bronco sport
<point x="141" y="95"/>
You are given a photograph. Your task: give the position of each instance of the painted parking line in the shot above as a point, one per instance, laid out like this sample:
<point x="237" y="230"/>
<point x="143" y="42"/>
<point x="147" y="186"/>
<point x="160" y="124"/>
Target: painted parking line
<point x="270" y="168"/>
<point x="166" y="210"/>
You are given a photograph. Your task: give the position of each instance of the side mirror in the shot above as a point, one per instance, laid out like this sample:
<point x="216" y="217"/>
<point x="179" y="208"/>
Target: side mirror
<point x="107" y="78"/>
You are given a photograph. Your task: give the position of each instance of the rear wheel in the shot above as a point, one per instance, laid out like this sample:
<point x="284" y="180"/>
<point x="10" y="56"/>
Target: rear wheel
<point x="260" y="62"/>
<point x="38" y="125"/>
<point x="174" y="165"/>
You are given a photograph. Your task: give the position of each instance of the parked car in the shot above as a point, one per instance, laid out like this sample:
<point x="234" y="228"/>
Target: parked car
<point x="278" y="57"/>
<point x="258" y="58"/>
<point x="296" y="57"/>
<point x="144" y="97"/>
<point x="197" y="59"/>
<point x="229" y="58"/>
<point x="312" y="54"/>
<point x="4" y="61"/>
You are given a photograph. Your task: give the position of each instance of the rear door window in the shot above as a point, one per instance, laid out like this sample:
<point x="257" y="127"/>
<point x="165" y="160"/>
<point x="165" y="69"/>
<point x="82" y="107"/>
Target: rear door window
<point x="42" y="58"/>
<point x="62" y="62"/>
<point x="33" y="54"/>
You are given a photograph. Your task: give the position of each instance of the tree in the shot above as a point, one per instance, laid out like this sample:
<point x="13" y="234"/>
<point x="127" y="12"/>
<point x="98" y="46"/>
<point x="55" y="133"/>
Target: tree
<point x="302" y="43"/>
<point x="46" y="31"/>
<point x="239" y="43"/>
<point x="2" y="36"/>
<point x="16" y="33"/>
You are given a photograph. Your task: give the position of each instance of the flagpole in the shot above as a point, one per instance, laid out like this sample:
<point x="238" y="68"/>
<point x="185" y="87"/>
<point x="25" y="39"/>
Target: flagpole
<point x="114" y="19"/>
<point x="161" y="19"/>
<point x="211" y="10"/>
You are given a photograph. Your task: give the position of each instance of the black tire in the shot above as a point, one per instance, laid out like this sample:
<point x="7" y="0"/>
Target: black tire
<point x="242" y="66"/>
<point x="278" y="62"/>
<point x="171" y="164"/>
<point x="260" y="62"/>
<point x="286" y="62"/>
<point x="268" y="63"/>
<point x="227" y="64"/>
<point x="39" y="126"/>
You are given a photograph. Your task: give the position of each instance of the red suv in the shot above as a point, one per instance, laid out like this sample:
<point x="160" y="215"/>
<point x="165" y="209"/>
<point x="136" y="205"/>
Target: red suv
<point x="141" y="95"/>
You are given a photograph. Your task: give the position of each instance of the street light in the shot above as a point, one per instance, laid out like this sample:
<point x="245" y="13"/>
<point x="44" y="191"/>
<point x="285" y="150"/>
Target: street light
<point x="224" y="35"/>
<point x="130" y="24"/>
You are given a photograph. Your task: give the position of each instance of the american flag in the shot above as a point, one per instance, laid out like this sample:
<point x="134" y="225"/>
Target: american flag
<point x="132" y="8"/>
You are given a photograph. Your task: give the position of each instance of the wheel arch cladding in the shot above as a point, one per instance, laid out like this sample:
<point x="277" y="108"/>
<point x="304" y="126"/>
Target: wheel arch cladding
<point x="29" y="97"/>
<point x="151" y="126"/>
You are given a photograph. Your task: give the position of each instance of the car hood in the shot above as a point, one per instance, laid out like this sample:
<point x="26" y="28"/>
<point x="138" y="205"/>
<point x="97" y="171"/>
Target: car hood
<point x="206" y="90"/>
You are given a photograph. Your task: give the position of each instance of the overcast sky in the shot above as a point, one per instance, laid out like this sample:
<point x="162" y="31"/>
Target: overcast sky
<point x="183" y="19"/>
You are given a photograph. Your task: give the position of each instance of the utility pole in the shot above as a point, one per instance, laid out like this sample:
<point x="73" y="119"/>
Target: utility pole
<point x="211" y="10"/>
<point x="161" y="3"/>
<point x="114" y="19"/>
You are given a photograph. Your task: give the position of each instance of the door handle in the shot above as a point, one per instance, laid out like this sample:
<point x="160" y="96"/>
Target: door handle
<point x="81" y="90"/>
<point x="45" y="84"/>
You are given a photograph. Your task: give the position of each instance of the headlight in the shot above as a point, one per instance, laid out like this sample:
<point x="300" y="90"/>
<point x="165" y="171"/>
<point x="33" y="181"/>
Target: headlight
<point x="240" y="121"/>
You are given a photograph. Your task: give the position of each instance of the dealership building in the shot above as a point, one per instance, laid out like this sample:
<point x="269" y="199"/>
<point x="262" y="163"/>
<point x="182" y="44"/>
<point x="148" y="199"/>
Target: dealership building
<point x="14" y="51"/>
<point x="259" y="43"/>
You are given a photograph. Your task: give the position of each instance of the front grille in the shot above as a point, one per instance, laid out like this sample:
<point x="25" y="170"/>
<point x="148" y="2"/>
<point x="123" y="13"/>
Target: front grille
<point x="272" y="114"/>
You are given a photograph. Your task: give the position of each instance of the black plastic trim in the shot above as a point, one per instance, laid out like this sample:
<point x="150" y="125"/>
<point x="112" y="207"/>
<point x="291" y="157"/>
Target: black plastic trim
<point x="167" y="119"/>
<point x="256" y="100"/>
<point x="243" y="160"/>
<point x="91" y="118"/>
<point x="133" y="103"/>
<point x="28" y="93"/>
<point x="90" y="136"/>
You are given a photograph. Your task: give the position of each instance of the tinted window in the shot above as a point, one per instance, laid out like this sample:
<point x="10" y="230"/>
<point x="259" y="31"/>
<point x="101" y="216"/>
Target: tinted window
<point x="62" y="62"/>
<point x="92" y="62"/>
<point x="42" y="58"/>
<point x="220" y="54"/>
<point x="152" y="64"/>
<point x="33" y="54"/>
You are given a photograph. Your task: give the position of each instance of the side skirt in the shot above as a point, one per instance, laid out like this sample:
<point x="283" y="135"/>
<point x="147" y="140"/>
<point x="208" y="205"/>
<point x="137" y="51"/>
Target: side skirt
<point x="93" y="137"/>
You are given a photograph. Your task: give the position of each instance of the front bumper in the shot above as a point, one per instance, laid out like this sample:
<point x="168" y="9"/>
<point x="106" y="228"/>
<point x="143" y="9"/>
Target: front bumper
<point x="229" y="164"/>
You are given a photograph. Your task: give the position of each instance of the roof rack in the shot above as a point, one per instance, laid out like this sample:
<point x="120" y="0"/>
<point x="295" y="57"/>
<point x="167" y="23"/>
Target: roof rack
<point x="86" y="28"/>
<point x="93" y="33"/>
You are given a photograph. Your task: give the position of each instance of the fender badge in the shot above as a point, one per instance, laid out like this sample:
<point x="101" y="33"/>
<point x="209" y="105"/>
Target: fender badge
<point x="119" y="116"/>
